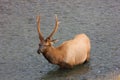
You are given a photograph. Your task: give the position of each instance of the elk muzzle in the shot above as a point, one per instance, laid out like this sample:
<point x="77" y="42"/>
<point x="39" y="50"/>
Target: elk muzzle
<point x="38" y="51"/>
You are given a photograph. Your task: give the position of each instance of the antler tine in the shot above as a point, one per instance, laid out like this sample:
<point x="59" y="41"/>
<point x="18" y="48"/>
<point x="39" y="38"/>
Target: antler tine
<point x="56" y="27"/>
<point x="38" y="28"/>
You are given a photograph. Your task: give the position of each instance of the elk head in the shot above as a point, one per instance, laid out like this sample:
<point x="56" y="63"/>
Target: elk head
<point x="46" y="43"/>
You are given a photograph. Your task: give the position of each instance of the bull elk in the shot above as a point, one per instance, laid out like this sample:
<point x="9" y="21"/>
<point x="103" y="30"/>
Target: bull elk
<point x="69" y="53"/>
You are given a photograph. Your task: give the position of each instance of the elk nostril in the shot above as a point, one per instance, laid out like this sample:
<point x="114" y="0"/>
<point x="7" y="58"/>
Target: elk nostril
<point x="38" y="51"/>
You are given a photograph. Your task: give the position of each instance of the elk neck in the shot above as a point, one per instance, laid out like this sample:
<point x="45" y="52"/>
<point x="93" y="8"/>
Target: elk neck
<point x="53" y="54"/>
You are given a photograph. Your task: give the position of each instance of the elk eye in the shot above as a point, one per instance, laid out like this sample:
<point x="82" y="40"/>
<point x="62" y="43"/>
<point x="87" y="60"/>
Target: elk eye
<point x="40" y="45"/>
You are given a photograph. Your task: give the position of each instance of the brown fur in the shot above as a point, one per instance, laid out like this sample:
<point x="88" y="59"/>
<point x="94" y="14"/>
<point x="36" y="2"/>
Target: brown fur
<point x="69" y="53"/>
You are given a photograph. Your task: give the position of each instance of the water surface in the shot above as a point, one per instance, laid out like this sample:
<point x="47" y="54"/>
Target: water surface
<point x="99" y="19"/>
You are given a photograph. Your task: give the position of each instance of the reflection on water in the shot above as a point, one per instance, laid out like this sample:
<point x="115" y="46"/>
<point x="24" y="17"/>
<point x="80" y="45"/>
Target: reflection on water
<point x="67" y="73"/>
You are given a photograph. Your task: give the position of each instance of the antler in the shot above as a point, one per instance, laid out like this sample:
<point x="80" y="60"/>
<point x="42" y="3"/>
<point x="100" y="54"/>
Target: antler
<point x="38" y="28"/>
<point x="55" y="29"/>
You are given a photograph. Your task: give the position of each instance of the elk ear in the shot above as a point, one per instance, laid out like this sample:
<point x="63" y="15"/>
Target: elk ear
<point x="54" y="40"/>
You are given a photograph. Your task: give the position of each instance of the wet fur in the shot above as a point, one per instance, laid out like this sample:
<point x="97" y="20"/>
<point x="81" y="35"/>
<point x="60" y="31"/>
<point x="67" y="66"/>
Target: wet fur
<point x="69" y="53"/>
